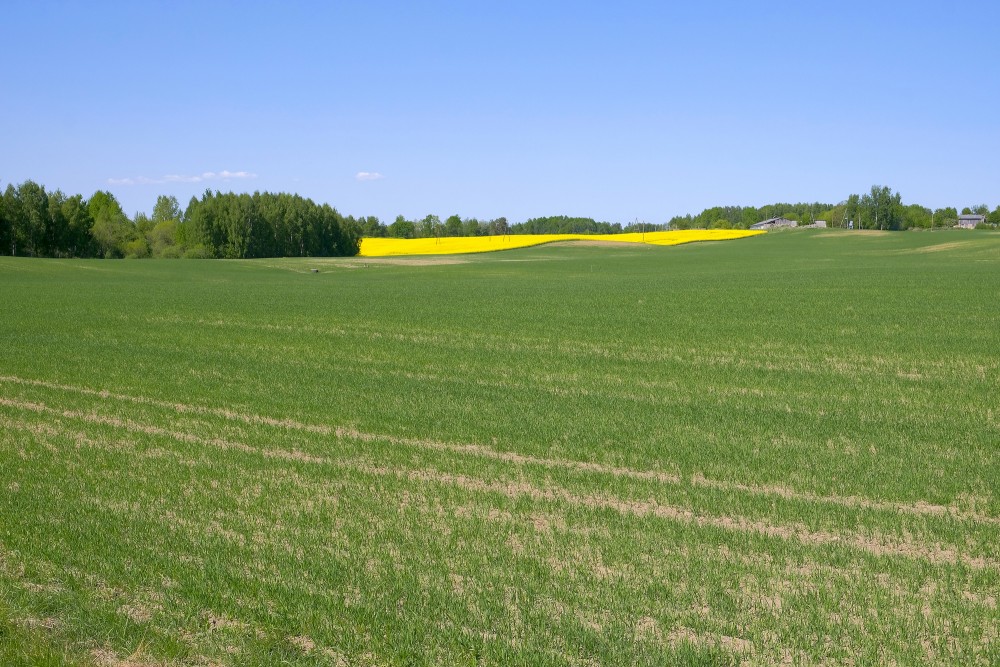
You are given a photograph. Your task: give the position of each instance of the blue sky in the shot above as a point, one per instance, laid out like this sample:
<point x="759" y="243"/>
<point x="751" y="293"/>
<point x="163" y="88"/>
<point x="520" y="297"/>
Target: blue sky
<point x="617" y="111"/>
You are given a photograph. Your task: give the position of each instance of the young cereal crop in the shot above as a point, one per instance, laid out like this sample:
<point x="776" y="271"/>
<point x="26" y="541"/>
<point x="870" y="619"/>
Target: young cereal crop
<point x="777" y="449"/>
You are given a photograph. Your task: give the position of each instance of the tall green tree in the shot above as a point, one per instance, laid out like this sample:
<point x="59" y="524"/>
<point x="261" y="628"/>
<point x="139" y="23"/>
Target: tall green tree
<point x="8" y="203"/>
<point x="916" y="216"/>
<point x="195" y="233"/>
<point x="78" y="240"/>
<point x="749" y="216"/>
<point x="852" y="210"/>
<point x="471" y="227"/>
<point x="429" y="227"/>
<point x="453" y="226"/>
<point x="371" y="227"/>
<point x="945" y="217"/>
<point x="881" y="208"/>
<point x="681" y="222"/>
<point x="33" y="224"/>
<point x="401" y="228"/>
<point x="111" y="229"/>
<point x="166" y="208"/>
<point x="994" y="217"/>
<point x="57" y="233"/>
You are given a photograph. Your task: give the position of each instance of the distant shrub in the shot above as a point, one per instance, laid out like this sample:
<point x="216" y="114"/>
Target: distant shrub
<point x="172" y="252"/>
<point x="137" y="249"/>
<point x="197" y="252"/>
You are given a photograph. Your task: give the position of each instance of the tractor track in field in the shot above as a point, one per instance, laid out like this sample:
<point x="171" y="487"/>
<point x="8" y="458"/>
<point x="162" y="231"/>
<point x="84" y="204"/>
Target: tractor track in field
<point x="918" y="508"/>
<point x="854" y="365"/>
<point x="872" y="543"/>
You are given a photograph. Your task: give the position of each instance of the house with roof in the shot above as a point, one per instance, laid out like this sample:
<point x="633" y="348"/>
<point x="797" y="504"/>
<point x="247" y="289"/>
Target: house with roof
<point x="969" y="221"/>
<point x="771" y="223"/>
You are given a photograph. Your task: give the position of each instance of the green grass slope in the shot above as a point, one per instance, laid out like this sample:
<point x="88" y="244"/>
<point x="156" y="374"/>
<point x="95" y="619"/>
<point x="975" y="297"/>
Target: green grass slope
<point x="780" y="448"/>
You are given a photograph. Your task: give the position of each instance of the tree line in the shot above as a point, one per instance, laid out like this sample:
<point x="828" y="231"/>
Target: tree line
<point x="37" y="223"/>
<point x="879" y="208"/>
<point x="34" y="222"/>
<point x="431" y="226"/>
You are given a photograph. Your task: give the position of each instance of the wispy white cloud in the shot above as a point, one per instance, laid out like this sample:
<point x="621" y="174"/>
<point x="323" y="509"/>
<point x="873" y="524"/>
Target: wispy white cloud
<point x="224" y="175"/>
<point x="368" y="176"/>
<point x="138" y="180"/>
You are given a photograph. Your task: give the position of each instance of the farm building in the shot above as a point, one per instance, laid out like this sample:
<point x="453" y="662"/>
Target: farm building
<point x="771" y="223"/>
<point x="970" y="221"/>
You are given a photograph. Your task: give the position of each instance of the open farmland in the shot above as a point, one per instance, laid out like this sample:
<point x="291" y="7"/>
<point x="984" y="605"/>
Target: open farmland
<point x="782" y="448"/>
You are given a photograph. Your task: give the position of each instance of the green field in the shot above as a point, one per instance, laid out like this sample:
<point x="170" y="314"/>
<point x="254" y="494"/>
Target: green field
<point x="784" y="448"/>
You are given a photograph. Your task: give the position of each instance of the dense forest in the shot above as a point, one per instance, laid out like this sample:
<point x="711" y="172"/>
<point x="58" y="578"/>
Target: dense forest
<point x="37" y="223"/>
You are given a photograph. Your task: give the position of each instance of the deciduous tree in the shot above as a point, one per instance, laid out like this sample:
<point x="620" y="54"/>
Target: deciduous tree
<point x="32" y="225"/>
<point x="166" y="208"/>
<point x="111" y="229"/>
<point x="401" y="228"/>
<point x="453" y="226"/>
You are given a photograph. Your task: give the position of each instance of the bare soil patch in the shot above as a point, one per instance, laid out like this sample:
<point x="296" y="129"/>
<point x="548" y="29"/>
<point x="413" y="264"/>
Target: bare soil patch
<point x="938" y="247"/>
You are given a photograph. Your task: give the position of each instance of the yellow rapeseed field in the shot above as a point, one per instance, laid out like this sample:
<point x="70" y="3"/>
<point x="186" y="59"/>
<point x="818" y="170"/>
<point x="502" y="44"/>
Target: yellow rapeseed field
<point x="453" y="245"/>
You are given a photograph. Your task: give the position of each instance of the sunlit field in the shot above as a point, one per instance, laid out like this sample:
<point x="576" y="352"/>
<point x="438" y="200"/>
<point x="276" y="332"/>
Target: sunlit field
<point x="781" y="449"/>
<point x="450" y="245"/>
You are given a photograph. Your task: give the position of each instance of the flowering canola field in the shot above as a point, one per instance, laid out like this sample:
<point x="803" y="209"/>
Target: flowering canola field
<point x="453" y="245"/>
